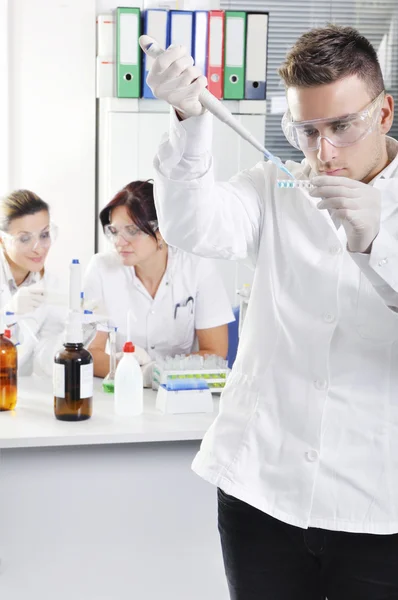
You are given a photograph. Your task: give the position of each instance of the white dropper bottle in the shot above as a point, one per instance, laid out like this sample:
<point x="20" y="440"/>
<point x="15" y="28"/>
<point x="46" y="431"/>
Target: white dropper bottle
<point x="129" y="388"/>
<point x="75" y="285"/>
<point x="73" y="364"/>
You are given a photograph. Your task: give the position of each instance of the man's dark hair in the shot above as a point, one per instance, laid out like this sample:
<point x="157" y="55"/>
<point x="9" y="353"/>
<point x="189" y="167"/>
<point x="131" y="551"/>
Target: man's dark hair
<point x="325" y="55"/>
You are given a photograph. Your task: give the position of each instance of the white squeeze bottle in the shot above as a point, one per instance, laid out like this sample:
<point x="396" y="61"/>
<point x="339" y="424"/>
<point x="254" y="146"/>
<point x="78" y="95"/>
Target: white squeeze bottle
<point x="129" y="389"/>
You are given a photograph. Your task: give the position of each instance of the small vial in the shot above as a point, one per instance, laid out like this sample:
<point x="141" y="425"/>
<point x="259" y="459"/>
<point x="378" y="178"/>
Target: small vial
<point x="294" y="183"/>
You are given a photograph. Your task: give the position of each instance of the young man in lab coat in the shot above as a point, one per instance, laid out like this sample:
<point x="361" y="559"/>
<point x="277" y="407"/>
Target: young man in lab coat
<point x="305" y="448"/>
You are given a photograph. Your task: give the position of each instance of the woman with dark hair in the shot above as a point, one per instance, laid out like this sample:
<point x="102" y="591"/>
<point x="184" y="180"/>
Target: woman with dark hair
<point x="176" y="298"/>
<point x="26" y="236"/>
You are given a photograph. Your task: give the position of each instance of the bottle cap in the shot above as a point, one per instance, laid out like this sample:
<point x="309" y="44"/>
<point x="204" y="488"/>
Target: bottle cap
<point x="75" y="261"/>
<point x="128" y="347"/>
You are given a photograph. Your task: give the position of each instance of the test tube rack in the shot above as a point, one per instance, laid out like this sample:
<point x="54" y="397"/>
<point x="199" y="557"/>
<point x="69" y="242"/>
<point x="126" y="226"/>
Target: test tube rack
<point x="215" y="378"/>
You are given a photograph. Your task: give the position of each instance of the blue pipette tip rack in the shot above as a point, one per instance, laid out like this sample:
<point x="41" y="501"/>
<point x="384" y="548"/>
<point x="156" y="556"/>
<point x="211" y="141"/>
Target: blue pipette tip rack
<point x="176" y="385"/>
<point x="295" y="183"/>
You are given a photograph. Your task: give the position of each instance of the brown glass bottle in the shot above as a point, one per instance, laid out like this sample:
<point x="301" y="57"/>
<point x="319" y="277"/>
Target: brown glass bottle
<point x="8" y="373"/>
<point x="73" y="383"/>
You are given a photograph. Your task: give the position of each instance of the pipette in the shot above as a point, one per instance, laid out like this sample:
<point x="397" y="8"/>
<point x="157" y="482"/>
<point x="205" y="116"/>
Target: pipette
<point x="213" y="105"/>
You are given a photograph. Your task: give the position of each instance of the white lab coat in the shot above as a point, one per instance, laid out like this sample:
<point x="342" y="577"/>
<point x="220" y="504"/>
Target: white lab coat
<point x="38" y="333"/>
<point x="160" y="326"/>
<point x="308" y="426"/>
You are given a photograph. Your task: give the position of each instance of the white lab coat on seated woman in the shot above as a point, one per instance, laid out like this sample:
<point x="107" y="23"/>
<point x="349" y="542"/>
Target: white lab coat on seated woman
<point x="36" y="332"/>
<point x="191" y="296"/>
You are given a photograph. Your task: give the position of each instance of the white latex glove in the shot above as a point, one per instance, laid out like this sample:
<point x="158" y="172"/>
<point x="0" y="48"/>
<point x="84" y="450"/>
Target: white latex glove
<point x="94" y="304"/>
<point x="25" y="355"/>
<point x="356" y="204"/>
<point x="145" y="362"/>
<point x="174" y="78"/>
<point x="56" y="298"/>
<point x="147" y="374"/>
<point x="89" y="333"/>
<point x="140" y="354"/>
<point x="27" y="299"/>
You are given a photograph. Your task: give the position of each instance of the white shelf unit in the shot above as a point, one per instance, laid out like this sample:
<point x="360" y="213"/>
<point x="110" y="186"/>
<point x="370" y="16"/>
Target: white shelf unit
<point x="129" y="134"/>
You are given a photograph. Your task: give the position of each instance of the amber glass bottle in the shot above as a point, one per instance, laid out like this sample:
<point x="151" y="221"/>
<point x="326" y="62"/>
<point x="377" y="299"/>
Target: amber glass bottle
<point x="8" y="373"/>
<point x="73" y="380"/>
<point x="73" y="383"/>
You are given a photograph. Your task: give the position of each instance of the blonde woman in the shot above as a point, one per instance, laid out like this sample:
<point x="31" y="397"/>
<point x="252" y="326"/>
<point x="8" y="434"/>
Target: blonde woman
<point x="26" y="236"/>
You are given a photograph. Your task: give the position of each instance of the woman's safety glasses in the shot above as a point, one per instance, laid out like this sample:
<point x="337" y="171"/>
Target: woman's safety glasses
<point x="338" y="131"/>
<point x="128" y="232"/>
<point x="28" y="240"/>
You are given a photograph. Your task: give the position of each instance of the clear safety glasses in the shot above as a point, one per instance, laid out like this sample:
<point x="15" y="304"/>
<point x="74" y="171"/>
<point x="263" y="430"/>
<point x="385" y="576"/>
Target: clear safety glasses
<point x="29" y="240"/>
<point x="338" y="131"/>
<point x="129" y="233"/>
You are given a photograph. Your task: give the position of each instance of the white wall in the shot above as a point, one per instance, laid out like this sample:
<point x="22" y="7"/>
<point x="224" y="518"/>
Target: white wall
<point x="52" y="116"/>
<point x="104" y="6"/>
<point x="4" y="96"/>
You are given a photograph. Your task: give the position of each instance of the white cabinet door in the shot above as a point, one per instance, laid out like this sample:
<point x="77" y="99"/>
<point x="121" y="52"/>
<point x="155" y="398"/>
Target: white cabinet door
<point x="134" y="139"/>
<point x="152" y="127"/>
<point x="131" y="140"/>
<point x="122" y="151"/>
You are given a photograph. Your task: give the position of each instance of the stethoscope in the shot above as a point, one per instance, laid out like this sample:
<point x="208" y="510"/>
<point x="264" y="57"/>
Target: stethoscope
<point x="169" y="273"/>
<point x="183" y="305"/>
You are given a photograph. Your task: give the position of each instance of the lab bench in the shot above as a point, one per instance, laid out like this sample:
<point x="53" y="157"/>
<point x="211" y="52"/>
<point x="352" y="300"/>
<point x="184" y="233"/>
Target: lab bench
<point x="106" y="508"/>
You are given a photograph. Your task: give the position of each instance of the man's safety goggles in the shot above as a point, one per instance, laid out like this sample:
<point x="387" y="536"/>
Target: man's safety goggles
<point x="338" y="131"/>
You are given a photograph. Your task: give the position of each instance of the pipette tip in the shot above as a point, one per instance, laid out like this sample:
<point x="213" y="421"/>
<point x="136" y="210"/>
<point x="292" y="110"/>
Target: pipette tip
<point x="278" y="163"/>
<point x="285" y="170"/>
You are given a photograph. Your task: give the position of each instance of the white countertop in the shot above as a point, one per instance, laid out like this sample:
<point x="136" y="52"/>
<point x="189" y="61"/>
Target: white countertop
<point x="32" y="423"/>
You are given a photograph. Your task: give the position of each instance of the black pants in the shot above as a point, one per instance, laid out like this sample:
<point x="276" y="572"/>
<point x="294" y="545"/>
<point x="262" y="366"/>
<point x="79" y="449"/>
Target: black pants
<point x="266" y="559"/>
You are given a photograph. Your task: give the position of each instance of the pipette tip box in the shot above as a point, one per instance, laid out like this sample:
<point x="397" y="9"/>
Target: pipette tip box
<point x="184" y="401"/>
<point x="215" y="378"/>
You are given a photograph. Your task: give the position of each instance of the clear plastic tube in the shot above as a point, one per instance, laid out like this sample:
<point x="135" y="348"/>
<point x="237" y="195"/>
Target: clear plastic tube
<point x="108" y="383"/>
